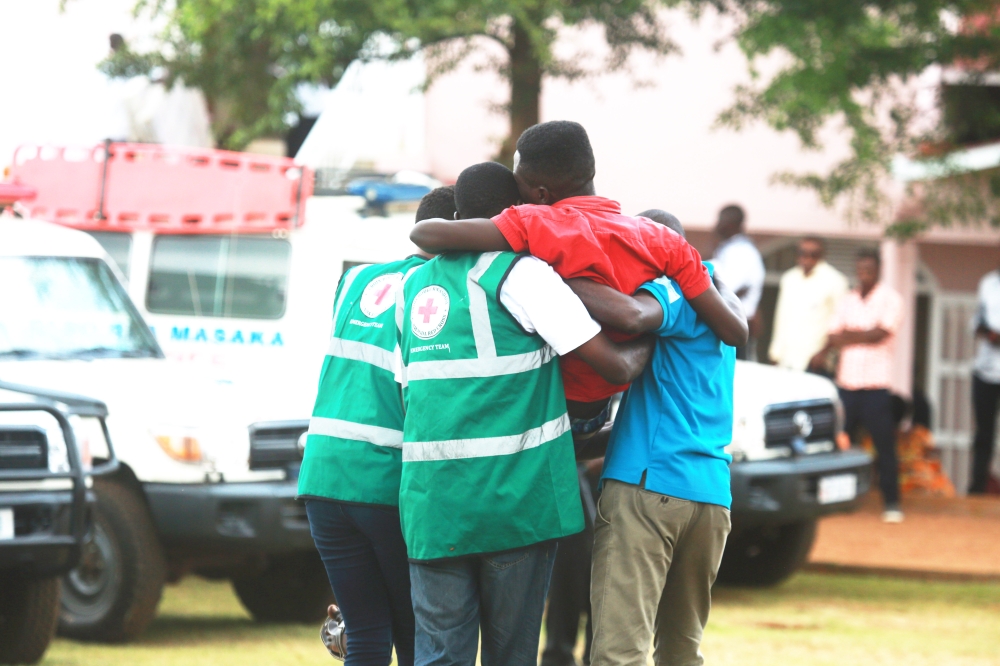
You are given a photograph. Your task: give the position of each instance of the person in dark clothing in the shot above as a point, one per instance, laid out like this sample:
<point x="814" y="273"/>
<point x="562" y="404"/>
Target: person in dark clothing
<point x="864" y="330"/>
<point x="569" y="590"/>
<point x="986" y="381"/>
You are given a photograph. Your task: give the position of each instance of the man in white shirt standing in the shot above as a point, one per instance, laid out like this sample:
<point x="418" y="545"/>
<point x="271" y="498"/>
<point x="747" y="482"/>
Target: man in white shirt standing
<point x="739" y="265"/>
<point x="986" y="380"/>
<point x="807" y="300"/>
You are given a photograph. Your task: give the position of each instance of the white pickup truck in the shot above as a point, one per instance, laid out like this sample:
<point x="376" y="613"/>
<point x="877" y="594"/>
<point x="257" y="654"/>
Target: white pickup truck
<point x="189" y="495"/>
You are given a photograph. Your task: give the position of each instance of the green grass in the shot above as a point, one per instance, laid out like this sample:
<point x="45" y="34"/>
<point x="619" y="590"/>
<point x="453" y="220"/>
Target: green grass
<point x="837" y="620"/>
<point x="812" y="619"/>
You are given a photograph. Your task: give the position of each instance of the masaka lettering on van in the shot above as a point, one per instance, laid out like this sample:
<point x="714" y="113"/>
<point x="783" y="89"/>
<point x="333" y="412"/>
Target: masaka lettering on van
<point x="222" y="336"/>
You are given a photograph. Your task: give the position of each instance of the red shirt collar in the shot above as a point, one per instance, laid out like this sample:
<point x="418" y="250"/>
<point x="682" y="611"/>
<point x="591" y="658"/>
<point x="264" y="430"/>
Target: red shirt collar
<point x="590" y="203"/>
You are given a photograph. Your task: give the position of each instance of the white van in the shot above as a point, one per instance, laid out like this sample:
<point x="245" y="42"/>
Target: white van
<point x="191" y="493"/>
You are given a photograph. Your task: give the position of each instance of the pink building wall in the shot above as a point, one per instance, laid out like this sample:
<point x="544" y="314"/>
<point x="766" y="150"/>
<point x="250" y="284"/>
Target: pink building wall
<point x="655" y="144"/>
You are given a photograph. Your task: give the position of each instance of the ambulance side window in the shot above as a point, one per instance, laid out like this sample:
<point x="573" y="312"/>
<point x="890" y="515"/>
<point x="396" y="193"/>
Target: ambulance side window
<point x="118" y="245"/>
<point x="219" y="276"/>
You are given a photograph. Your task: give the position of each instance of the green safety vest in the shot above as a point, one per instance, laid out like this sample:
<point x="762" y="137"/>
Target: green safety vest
<point x="488" y="462"/>
<point x="353" y="448"/>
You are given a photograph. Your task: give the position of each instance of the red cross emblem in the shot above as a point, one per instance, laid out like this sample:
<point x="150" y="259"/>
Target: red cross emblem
<point x="429" y="311"/>
<point x="378" y="294"/>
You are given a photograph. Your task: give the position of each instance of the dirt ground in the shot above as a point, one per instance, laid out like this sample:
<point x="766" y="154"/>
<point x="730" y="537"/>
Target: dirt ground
<point x="949" y="536"/>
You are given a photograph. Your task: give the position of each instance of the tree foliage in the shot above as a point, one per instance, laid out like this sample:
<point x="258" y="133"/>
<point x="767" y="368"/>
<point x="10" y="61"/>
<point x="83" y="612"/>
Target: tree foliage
<point x="813" y="64"/>
<point x="851" y="61"/>
<point x="527" y="31"/>
<point x="249" y="56"/>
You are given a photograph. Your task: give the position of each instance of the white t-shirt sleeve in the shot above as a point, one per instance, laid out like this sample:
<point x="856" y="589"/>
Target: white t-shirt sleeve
<point x="542" y="303"/>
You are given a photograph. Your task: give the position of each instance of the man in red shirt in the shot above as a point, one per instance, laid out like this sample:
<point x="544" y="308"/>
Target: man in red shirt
<point x="580" y="234"/>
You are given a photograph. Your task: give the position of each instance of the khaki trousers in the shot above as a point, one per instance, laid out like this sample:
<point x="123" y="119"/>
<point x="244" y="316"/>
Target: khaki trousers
<point x="655" y="559"/>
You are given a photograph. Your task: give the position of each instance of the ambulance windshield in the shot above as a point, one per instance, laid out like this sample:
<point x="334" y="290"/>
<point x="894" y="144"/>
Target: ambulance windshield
<point x="67" y="308"/>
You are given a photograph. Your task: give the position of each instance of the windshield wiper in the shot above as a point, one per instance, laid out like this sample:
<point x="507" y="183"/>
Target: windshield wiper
<point x="111" y="352"/>
<point x="23" y="353"/>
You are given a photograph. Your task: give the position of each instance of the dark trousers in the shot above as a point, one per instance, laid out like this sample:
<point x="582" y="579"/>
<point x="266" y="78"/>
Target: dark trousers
<point x="569" y="592"/>
<point x="569" y="598"/>
<point x="499" y="596"/>
<point x="985" y="397"/>
<point x="872" y="409"/>
<point x="365" y="557"/>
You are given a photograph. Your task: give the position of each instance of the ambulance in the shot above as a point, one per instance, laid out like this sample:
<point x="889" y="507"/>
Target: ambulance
<point x="233" y="263"/>
<point x="205" y="482"/>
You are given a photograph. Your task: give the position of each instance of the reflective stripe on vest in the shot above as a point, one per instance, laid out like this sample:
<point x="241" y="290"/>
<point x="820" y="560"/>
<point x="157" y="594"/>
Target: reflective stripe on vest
<point x="354" y="447"/>
<point x="485" y="447"/>
<point x="488" y="461"/>
<point x="403" y="376"/>
<point x="362" y="351"/>
<point x="377" y="435"/>
<point x="479" y="309"/>
<point x="480" y="367"/>
<point x="349" y="278"/>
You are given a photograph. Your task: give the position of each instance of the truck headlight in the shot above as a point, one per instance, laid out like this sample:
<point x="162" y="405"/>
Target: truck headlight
<point x="179" y="445"/>
<point x="57" y="453"/>
<point x="90" y="440"/>
<point x="748" y="438"/>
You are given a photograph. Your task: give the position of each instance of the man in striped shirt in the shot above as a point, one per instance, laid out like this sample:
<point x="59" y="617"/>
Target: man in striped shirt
<point x="864" y="330"/>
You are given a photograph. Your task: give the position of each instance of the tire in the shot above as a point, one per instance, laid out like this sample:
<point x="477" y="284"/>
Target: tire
<point x="768" y="555"/>
<point x="293" y="588"/>
<point x="112" y="595"/>
<point x="29" y="609"/>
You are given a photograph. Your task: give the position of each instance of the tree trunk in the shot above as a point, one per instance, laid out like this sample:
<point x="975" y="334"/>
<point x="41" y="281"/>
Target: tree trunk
<point x="525" y="91"/>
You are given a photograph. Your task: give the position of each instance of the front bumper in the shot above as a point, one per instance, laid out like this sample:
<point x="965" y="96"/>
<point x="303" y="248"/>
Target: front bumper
<point x="244" y="518"/>
<point x="774" y="492"/>
<point x="47" y="538"/>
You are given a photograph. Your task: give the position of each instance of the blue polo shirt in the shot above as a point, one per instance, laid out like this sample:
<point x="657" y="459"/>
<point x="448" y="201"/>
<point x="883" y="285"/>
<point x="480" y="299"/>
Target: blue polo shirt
<point x="677" y="418"/>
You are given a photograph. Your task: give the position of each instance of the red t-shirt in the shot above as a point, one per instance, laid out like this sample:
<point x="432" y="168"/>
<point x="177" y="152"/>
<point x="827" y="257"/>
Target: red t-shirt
<point x="589" y="237"/>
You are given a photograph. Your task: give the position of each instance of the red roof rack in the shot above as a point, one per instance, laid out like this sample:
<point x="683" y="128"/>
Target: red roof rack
<point x="129" y="186"/>
<point x="11" y="192"/>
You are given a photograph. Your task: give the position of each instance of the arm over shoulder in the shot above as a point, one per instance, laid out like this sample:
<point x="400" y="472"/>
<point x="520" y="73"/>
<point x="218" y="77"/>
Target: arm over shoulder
<point x="679" y="259"/>
<point x="542" y="303"/>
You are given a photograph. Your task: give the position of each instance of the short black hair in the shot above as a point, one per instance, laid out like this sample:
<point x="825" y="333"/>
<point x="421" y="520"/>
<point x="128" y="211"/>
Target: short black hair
<point x="668" y="220"/>
<point x="814" y="239"/>
<point x="735" y="213"/>
<point x="872" y="254"/>
<point x="439" y="202"/>
<point x="557" y="154"/>
<point x="485" y="190"/>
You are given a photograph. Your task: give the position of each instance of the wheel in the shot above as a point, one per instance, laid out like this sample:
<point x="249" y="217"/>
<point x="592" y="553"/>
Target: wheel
<point x="113" y="592"/>
<point x="768" y="555"/>
<point x="29" y="609"/>
<point x="293" y="588"/>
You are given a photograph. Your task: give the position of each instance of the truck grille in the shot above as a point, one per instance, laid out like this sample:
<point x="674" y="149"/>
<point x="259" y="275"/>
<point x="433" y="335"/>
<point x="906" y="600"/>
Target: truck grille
<point x="276" y="445"/>
<point x="23" y="448"/>
<point x="808" y="422"/>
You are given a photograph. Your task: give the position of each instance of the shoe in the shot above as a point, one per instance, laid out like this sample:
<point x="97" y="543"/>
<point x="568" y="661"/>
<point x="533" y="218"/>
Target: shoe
<point x="333" y="635"/>
<point x="892" y="515"/>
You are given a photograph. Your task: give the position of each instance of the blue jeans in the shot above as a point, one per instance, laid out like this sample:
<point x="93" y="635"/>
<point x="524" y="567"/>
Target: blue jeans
<point x="365" y="557"/>
<point x="502" y="595"/>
